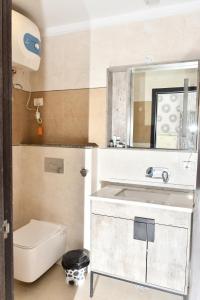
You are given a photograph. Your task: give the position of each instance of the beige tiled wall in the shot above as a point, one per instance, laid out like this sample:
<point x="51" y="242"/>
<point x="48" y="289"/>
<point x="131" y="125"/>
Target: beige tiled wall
<point x="21" y="120"/>
<point x="98" y="116"/>
<point x="75" y="65"/>
<point x="79" y="60"/>
<point x="73" y="76"/>
<point x="65" y="62"/>
<point x="65" y="117"/>
<point x="50" y="197"/>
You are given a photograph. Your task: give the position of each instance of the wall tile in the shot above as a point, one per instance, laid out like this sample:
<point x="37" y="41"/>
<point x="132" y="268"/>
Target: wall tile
<point x="46" y="196"/>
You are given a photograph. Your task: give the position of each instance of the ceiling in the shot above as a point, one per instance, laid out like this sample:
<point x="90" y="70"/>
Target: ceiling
<point x="55" y="13"/>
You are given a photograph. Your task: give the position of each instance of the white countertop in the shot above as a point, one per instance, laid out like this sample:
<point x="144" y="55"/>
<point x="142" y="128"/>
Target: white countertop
<point x="162" y="198"/>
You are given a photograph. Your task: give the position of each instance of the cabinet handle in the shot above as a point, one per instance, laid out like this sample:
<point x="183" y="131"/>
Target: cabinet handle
<point x="144" y="229"/>
<point x="151" y="232"/>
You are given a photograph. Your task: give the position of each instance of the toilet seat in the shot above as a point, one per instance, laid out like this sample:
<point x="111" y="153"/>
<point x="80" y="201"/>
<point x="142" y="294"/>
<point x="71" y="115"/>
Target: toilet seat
<point x="37" y="246"/>
<point x="34" y="234"/>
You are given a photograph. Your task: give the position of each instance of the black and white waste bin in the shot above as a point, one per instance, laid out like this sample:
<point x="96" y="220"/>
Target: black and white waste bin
<point x="75" y="263"/>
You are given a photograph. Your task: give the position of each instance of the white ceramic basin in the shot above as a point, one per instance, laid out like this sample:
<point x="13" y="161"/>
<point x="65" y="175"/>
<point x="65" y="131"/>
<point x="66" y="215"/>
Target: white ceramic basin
<point x="140" y="195"/>
<point x="182" y="199"/>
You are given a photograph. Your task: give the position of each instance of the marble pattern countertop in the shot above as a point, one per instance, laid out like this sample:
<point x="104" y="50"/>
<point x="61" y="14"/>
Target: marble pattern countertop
<point x="147" y="196"/>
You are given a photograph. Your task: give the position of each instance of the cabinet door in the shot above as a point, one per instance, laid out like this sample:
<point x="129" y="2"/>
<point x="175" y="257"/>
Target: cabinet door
<point x="167" y="258"/>
<point x="114" y="249"/>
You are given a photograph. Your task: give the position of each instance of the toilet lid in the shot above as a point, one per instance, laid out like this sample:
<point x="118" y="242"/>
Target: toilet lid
<point x="34" y="233"/>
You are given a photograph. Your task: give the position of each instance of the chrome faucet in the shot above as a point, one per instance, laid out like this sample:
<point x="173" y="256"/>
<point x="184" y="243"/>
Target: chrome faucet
<point x="165" y="176"/>
<point x="149" y="172"/>
<point x="157" y="172"/>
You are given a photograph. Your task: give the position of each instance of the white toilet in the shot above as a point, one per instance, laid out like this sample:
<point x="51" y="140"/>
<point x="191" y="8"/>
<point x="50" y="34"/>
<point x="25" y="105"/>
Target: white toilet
<point x="37" y="246"/>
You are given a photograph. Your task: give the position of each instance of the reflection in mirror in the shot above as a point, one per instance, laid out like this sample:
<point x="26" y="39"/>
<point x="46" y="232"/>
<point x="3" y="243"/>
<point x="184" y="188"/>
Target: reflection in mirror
<point x="173" y="118"/>
<point x="153" y="106"/>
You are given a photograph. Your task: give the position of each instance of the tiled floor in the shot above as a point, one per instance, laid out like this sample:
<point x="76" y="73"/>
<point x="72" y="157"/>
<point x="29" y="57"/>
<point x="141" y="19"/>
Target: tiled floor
<point x="52" y="286"/>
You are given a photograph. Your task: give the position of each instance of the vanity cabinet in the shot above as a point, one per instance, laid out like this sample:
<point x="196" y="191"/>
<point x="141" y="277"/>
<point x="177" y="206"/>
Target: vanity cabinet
<point x="115" y="251"/>
<point x="167" y="258"/>
<point x="157" y="257"/>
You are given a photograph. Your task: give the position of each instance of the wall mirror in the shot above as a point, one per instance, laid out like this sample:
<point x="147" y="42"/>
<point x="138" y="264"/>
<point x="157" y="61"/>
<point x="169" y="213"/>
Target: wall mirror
<point x="154" y="106"/>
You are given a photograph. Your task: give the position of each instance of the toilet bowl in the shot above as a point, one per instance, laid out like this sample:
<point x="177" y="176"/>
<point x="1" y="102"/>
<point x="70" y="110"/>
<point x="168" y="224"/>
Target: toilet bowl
<point x="37" y="246"/>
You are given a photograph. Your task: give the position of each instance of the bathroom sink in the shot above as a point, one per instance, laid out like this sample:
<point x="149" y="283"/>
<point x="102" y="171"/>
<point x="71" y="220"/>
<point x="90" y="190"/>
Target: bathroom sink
<point x="138" y="194"/>
<point x="155" y="196"/>
<point x="147" y="196"/>
<point x="144" y="196"/>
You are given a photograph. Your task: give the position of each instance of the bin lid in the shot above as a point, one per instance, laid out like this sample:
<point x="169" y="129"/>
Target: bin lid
<point x="34" y="233"/>
<point x="76" y="259"/>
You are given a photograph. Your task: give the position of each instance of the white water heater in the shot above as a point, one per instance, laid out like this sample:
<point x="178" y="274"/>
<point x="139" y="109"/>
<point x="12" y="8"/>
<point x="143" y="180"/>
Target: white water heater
<point x="26" y="42"/>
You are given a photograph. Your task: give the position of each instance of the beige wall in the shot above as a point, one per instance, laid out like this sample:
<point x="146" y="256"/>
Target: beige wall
<point x="166" y="39"/>
<point x="65" y="114"/>
<point x="65" y="117"/>
<point x="141" y="130"/>
<point x="70" y="64"/>
<point x="97" y="116"/>
<point x="144" y="82"/>
<point x="65" y="63"/>
<point x="79" y="60"/>
<point x="20" y="118"/>
<point x="50" y="197"/>
<point x="22" y="76"/>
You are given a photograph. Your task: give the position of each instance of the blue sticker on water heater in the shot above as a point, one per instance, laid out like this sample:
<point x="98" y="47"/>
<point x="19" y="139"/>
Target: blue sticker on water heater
<point x="32" y="43"/>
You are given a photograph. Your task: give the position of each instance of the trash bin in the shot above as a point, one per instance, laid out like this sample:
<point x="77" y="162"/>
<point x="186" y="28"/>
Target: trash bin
<point x="75" y="263"/>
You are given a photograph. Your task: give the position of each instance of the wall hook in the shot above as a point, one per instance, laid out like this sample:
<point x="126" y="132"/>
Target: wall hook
<point x="84" y="172"/>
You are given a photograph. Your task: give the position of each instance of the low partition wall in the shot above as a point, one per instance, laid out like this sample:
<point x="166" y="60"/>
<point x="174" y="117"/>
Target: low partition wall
<point x="47" y="185"/>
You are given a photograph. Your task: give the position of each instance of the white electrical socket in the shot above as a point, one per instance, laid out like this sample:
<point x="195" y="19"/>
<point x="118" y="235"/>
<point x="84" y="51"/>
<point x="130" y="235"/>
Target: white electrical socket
<point x="38" y="101"/>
